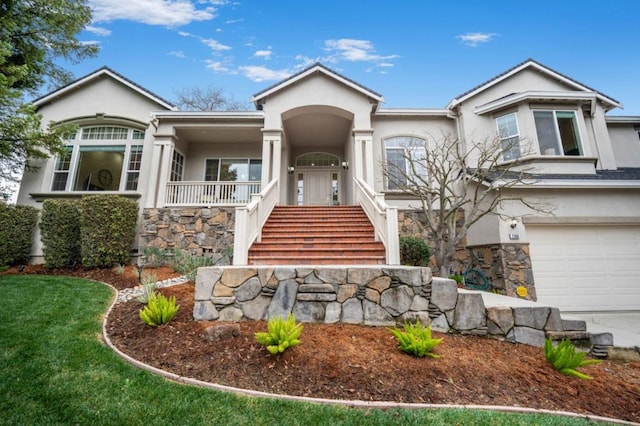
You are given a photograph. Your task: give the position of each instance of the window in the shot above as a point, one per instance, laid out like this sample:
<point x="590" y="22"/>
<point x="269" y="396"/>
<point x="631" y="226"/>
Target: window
<point x="177" y="167"/>
<point x="405" y="158"/>
<point x="232" y="170"/>
<point x="557" y="133"/>
<point x="95" y="160"/>
<point x="509" y="136"/>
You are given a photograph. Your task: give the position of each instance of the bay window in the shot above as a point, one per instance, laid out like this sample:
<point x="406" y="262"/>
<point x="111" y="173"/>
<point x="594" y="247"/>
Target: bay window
<point x="405" y="161"/>
<point x="509" y="136"/>
<point x="100" y="158"/>
<point x="558" y="133"/>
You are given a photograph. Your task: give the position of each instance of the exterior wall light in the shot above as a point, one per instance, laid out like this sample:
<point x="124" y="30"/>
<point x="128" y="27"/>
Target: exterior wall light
<point x="514" y="223"/>
<point x="291" y="169"/>
<point x="345" y="165"/>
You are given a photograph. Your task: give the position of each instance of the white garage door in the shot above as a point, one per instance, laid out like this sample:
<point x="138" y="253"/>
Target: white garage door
<point x="586" y="268"/>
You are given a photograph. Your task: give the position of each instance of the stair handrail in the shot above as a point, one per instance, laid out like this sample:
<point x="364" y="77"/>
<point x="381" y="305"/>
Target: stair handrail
<point x="383" y="217"/>
<point x="250" y="219"/>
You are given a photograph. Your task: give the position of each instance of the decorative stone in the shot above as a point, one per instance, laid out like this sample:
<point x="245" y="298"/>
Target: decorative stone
<point x="410" y="276"/>
<point x="554" y="322"/>
<point x="303" y="272"/>
<point x="317" y="297"/>
<point x="602" y="339"/>
<point x="221" y="332"/>
<point x="332" y="275"/>
<point x="231" y="314"/>
<point x="502" y="317"/>
<point x="380" y="284"/>
<point x="205" y="280"/>
<point x="221" y="290"/>
<point x="470" y="312"/>
<point x="223" y="301"/>
<point x="233" y="277"/>
<point x="312" y="279"/>
<point x="412" y="317"/>
<point x="419" y="303"/>
<point x="205" y="311"/>
<point x="346" y="291"/>
<point x="308" y="311"/>
<point x="363" y="275"/>
<point x="533" y="317"/>
<point x="574" y="325"/>
<point x="265" y="274"/>
<point x="315" y="288"/>
<point x="440" y="324"/>
<point x="255" y="309"/>
<point x="426" y="275"/>
<point x="397" y="300"/>
<point x="284" y="273"/>
<point x="529" y="336"/>
<point x="493" y="329"/>
<point x="352" y="311"/>
<point x="332" y="312"/>
<point x="372" y="295"/>
<point x="250" y="289"/>
<point x="444" y="294"/>
<point x="284" y="299"/>
<point x="375" y="316"/>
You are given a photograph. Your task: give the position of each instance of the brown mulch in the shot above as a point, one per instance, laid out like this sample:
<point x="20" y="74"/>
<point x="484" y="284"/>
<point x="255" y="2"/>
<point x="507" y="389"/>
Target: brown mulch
<point x="363" y="363"/>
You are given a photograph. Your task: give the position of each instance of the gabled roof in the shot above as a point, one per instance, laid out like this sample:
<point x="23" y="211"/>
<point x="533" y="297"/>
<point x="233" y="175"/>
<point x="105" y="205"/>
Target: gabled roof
<point x="531" y="63"/>
<point x="100" y="73"/>
<point x="316" y="68"/>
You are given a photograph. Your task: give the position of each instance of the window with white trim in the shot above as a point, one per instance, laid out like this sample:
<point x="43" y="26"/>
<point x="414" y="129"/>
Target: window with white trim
<point x="558" y="132"/>
<point x="177" y="167"/>
<point x="509" y="136"/>
<point x="100" y="158"/>
<point x="233" y="170"/>
<point x="405" y="161"/>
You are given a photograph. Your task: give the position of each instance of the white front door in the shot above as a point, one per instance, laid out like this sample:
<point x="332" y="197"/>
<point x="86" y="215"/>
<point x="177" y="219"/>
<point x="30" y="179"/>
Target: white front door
<point x="317" y="188"/>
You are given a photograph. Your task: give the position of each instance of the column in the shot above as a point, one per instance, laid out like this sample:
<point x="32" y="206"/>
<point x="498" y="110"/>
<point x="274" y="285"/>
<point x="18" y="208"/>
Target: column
<point x="363" y="156"/>
<point x="166" y="148"/>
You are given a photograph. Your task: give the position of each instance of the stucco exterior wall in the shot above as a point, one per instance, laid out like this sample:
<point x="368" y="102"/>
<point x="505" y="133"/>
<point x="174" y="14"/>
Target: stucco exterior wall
<point x="625" y="143"/>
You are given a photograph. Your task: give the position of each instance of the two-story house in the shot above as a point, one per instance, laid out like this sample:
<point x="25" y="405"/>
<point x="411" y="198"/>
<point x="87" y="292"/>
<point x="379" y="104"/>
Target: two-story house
<point x="205" y="181"/>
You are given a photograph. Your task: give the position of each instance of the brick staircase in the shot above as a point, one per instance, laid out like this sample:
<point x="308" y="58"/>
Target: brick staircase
<point x="317" y="235"/>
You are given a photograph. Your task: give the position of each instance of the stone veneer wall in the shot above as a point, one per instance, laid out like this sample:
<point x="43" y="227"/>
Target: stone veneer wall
<point x="371" y="295"/>
<point x="201" y="231"/>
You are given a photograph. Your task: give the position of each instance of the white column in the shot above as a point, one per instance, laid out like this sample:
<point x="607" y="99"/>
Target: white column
<point x="266" y="161"/>
<point x="152" y="185"/>
<point x="363" y="155"/>
<point x="271" y="155"/>
<point x="165" y="168"/>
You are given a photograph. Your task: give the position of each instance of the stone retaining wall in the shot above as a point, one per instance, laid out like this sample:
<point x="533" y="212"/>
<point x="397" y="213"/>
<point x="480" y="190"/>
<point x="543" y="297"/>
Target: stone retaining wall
<point x="373" y="296"/>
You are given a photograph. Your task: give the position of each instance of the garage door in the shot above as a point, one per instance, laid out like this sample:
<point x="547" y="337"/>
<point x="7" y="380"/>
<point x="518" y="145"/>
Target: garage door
<point x="586" y="268"/>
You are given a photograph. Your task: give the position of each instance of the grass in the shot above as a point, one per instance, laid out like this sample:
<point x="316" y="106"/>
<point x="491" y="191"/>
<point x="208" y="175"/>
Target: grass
<point x="55" y="370"/>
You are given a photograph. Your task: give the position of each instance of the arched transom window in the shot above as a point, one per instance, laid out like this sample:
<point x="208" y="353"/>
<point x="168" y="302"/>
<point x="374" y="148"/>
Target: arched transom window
<point x="318" y="159"/>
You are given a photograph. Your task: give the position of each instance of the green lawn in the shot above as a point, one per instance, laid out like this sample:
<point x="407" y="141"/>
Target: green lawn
<point x="54" y="370"/>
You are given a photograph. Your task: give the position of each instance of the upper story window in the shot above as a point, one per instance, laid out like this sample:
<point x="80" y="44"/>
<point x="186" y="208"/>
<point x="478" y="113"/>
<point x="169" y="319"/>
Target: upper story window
<point x="558" y="133"/>
<point x="509" y="136"/>
<point x="405" y="161"/>
<point x="100" y="158"/>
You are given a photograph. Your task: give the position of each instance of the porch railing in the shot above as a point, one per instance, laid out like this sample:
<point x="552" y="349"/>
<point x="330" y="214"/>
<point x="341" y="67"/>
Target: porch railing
<point x="250" y="219"/>
<point x="190" y="193"/>
<point x="383" y="217"/>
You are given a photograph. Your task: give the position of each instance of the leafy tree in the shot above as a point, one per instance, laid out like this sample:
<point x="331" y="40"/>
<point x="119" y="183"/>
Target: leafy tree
<point x="207" y="99"/>
<point x="457" y="184"/>
<point x="33" y="35"/>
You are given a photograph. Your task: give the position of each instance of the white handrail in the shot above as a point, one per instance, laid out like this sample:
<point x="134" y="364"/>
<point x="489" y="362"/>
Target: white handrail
<point x="250" y="219"/>
<point x="194" y="193"/>
<point x="383" y="217"/>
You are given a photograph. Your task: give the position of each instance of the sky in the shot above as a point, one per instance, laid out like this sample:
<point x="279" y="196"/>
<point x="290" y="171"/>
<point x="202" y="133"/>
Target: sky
<point x="416" y="53"/>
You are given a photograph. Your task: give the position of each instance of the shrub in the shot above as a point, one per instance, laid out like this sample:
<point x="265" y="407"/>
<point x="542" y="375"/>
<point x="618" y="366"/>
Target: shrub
<point x="60" y="232"/>
<point x="565" y="359"/>
<point x="148" y="287"/>
<point x="154" y="257"/>
<point x="17" y="224"/>
<point x="108" y="228"/>
<point x="281" y="335"/>
<point x="414" y="251"/>
<point x="159" y="310"/>
<point x="188" y="264"/>
<point x="416" y="340"/>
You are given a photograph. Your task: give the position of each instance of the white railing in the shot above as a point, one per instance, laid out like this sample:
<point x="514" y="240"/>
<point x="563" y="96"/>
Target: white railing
<point x="250" y="219"/>
<point x="210" y="193"/>
<point x="383" y="217"/>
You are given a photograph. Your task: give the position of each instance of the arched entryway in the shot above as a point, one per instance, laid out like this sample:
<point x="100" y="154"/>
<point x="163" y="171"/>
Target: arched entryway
<point x="318" y="179"/>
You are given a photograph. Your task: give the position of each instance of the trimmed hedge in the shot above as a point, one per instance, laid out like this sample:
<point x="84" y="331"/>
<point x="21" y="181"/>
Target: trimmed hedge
<point x="108" y="228"/>
<point x="60" y="232"/>
<point x="17" y="224"/>
<point x="414" y="251"/>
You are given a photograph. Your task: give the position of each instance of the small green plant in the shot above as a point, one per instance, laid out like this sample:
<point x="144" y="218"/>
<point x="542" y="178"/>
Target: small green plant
<point x="188" y="264"/>
<point x="416" y="340"/>
<point x="154" y="257"/>
<point x="565" y="359"/>
<point x="456" y="277"/>
<point x="149" y="287"/>
<point x="281" y="335"/>
<point x="414" y="251"/>
<point x="159" y="310"/>
<point x="119" y="269"/>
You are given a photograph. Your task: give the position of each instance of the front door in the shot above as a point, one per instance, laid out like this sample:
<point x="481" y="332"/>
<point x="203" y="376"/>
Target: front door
<point x="317" y="188"/>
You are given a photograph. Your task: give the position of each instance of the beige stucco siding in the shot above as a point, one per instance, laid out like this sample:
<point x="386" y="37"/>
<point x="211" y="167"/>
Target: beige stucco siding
<point x="625" y="144"/>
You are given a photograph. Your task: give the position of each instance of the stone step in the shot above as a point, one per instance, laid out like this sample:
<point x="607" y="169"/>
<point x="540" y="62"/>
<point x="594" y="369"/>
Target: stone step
<point x="316" y="252"/>
<point x="573" y="325"/>
<point x="339" y="244"/>
<point x="316" y="260"/>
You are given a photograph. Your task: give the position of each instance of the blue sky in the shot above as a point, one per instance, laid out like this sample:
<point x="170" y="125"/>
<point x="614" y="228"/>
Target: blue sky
<point x="418" y="53"/>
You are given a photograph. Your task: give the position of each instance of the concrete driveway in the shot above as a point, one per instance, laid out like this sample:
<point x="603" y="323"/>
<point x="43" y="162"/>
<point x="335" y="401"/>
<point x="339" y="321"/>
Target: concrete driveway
<point x="625" y="326"/>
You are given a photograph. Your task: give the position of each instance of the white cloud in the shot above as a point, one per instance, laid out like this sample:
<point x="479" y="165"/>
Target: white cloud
<point x="476" y="39"/>
<point x="264" y="54"/>
<point x="353" y="50"/>
<point x="102" y="32"/>
<point x="218" y="67"/>
<point x="234" y="21"/>
<point x="386" y="64"/>
<point x="215" y="45"/>
<point x="171" y="13"/>
<point x="177" y="54"/>
<point x="258" y="74"/>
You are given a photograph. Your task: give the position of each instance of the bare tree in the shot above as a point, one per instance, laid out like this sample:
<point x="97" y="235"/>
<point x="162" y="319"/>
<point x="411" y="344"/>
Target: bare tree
<point x="457" y="184"/>
<point x="207" y="99"/>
